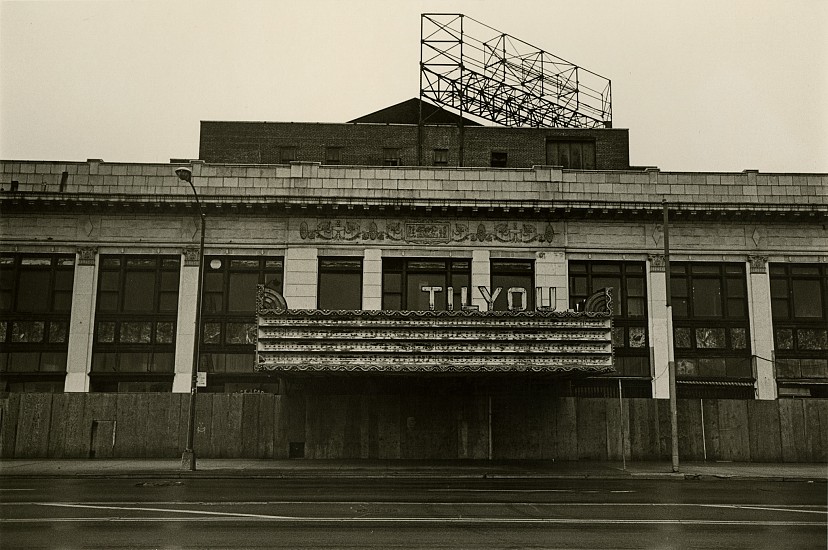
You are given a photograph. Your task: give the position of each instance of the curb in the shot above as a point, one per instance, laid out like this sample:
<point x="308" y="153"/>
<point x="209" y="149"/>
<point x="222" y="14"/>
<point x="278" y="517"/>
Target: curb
<point x="647" y="476"/>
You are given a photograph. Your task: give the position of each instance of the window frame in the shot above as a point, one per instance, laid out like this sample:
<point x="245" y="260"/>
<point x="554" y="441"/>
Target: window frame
<point x="403" y="266"/>
<point x="391" y="156"/>
<point x="48" y="352"/>
<point x="288" y="154"/>
<point x="692" y="327"/>
<point x="632" y="362"/>
<point x="499" y="159"/>
<point x="215" y="354"/>
<point x="339" y="266"/>
<point x="793" y="361"/>
<point x="587" y="159"/>
<point x="440" y="157"/>
<point x="110" y="355"/>
<point x="333" y="159"/>
<point x="502" y="267"/>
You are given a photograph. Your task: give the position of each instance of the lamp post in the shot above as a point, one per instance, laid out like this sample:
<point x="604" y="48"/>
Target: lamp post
<point x="671" y="360"/>
<point x="188" y="458"/>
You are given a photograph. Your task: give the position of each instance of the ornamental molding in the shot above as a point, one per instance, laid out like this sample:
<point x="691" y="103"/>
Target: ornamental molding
<point x="86" y="255"/>
<point x="657" y="263"/>
<point x="191" y="257"/>
<point x="758" y="264"/>
<point x="426" y="232"/>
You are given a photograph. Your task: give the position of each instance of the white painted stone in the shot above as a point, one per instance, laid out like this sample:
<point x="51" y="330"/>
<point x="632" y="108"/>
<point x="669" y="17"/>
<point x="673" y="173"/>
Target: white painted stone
<point x="480" y="276"/>
<point x="659" y="332"/>
<point x="372" y="279"/>
<point x="185" y="328"/>
<point x="81" y="328"/>
<point x="301" y="275"/>
<point x="761" y="333"/>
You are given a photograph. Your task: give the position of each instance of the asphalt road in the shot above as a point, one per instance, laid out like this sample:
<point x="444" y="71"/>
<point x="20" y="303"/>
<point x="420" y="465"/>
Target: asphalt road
<point x="415" y="513"/>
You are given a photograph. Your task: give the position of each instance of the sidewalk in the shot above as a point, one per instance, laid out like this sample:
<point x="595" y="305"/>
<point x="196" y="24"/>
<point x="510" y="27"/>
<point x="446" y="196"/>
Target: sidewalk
<point x="405" y="469"/>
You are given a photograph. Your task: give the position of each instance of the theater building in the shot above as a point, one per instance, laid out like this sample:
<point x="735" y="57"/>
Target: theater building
<point x="391" y="223"/>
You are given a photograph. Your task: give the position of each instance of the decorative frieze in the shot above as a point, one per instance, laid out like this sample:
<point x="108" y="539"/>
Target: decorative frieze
<point x="431" y="232"/>
<point x="86" y="255"/>
<point x="758" y="264"/>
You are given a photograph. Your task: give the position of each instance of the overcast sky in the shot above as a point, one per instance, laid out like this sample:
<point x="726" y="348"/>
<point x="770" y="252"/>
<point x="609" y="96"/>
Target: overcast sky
<point x="702" y="85"/>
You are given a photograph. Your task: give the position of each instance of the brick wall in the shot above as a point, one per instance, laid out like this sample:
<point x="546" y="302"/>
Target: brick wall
<point x="362" y="144"/>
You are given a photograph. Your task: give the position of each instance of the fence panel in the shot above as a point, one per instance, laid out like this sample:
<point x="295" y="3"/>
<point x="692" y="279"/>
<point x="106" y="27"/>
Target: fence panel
<point x="763" y="423"/>
<point x="689" y="414"/>
<point x="792" y="429"/>
<point x="395" y="426"/>
<point x="33" y="425"/>
<point x="592" y="431"/>
<point x="815" y="436"/>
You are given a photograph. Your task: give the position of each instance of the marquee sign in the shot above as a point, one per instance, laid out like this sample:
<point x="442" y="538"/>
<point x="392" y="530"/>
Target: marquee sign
<point x="464" y="341"/>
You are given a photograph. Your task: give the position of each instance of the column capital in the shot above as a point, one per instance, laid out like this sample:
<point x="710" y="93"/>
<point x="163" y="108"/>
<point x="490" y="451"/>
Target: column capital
<point x="657" y="264"/>
<point x="191" y="257"/>
<point x="86" y="255"/>
<point x="758" y="264"/>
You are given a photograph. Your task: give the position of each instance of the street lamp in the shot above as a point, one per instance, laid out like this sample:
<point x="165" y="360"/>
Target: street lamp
<point x="188" y="458"/>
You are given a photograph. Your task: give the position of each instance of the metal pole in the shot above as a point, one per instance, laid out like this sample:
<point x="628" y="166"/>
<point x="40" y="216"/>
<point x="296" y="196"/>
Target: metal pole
<point x="671" y="360"/>
<point x="188" y="459"/>
<point x="621" y="424"/>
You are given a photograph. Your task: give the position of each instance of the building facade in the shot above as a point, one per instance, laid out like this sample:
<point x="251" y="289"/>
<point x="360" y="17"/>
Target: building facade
<point x="99" y="261"/>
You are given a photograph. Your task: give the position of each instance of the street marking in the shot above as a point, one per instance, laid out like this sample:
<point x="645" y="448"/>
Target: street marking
<point x="172" y="510"/>
<point x="508" y="491"/>
<point x="769" y="507"/>
<point x="766" y="508"/>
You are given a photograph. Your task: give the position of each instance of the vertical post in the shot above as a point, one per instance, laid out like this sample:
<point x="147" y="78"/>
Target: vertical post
<point x="420" y="103"/>
<point x="188" y="458"/>
<point x="462" y="137"/>
<point x="490" y="427"/>
<point x="671" y="360"/>
<point x="621" y="424"/>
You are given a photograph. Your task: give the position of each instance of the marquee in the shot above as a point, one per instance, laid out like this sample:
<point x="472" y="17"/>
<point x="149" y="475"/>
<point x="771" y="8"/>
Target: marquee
<point x="299" y="340"/>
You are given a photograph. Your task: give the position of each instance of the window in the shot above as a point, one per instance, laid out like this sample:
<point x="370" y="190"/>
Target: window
<point x="630" y="336"/>
<point x="228" y="351"/>
<point x="390" y="156"/>
<point x="441" y="157"/>
<point x="340" y="283"/>
<point x="799" y="304"/>
<point x="711" y="333"/>
<point x="287" y="154"/>
<point x="333" y="155"/>
<point x="499" y="159"/>
<point x="508" y="274"/>
<point x="403" y="280"/>
<point x="135" y="323"/>
<point x="35" y="304"/>
<point x="574" y="155"/>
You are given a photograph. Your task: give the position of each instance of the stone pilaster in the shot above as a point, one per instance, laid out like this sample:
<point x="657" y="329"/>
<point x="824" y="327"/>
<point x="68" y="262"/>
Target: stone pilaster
<point x="481" y="275"/>
<point x="372" y="279"/>
<point x="301" y="277"/>
<point x="551" y="271"/>
<point x="185" y="324"/>
<point x="761" y="327"/>
<point x="82" y="321"/>
<point x="660" y="340"/>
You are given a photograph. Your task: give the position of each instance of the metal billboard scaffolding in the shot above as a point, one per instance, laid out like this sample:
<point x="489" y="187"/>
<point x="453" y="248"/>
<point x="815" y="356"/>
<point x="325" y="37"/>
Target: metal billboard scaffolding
<point x="471" y="67"/>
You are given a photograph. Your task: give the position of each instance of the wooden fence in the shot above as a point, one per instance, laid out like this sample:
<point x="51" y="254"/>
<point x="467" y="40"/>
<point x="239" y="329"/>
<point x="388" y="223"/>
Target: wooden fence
<point x="410" y="426"/>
